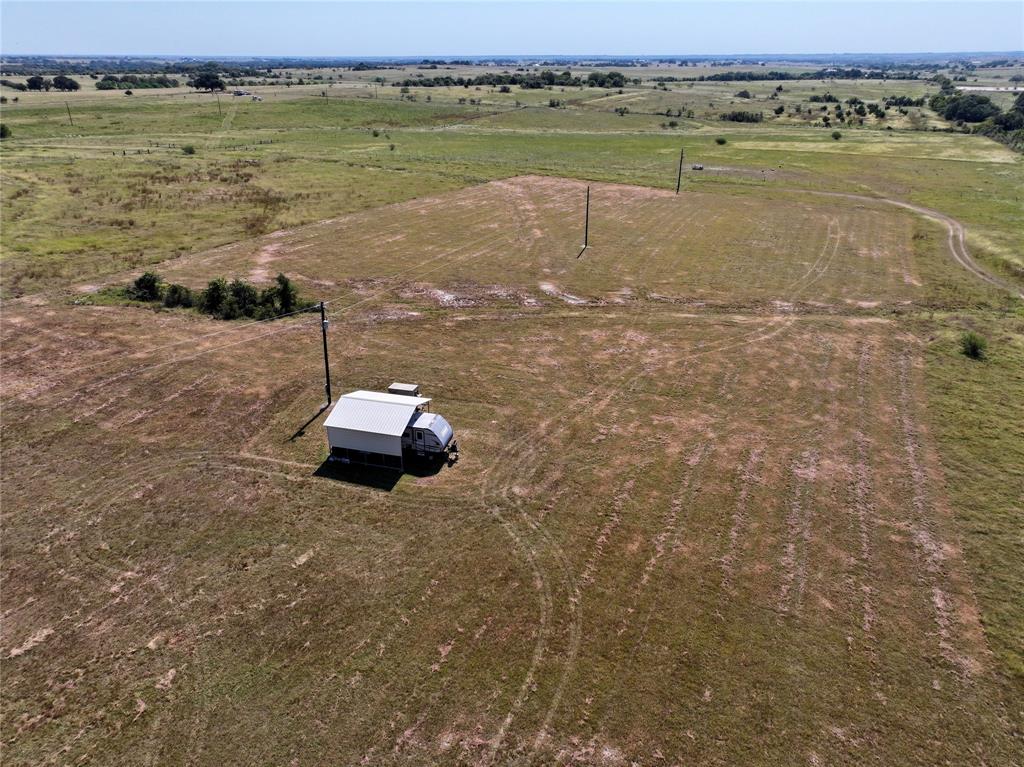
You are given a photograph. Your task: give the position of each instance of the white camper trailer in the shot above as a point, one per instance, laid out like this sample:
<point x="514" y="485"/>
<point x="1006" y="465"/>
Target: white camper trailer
<point x="382" y="429"/>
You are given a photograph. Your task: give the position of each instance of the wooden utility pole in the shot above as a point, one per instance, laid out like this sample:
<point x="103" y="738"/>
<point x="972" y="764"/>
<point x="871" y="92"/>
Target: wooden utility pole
<point x="66" y="106"/>
<point x="218" y="105"/>
<point x="327" y="367"/>
<point x="586" y="225"/>
<point x="586" y="221"/>
<point x="679" y="176"/>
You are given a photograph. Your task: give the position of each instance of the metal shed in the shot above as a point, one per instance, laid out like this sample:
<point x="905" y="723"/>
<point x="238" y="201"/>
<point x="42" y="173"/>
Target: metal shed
<point x="366" y="427"/>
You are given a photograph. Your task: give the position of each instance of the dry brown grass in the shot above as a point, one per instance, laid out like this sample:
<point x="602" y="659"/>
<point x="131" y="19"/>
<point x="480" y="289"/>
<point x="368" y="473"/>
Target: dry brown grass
<point x="520" y="233"/>
<point x="692" y="524"/>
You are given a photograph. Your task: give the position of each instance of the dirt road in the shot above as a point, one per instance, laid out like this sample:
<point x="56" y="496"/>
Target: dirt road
<point x="956" y="242"/>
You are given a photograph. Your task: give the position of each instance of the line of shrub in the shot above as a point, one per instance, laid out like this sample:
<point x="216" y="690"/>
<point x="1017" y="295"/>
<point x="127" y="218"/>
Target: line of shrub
<point x="742" y="117"/>
<point x="123" y="82"/>
<point x="222" y="299"/>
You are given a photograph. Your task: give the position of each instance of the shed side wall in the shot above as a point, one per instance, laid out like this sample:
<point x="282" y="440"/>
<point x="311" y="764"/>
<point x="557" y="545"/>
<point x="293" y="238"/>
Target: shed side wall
<point x="362" y="440"/>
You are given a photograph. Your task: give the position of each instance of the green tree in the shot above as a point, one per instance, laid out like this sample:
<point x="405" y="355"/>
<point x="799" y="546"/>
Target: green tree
<point x="245" y="296"/>
<point x="64" y="83"/>
<point x="287" y="295"/>
<point x="146" y="287"/>
<point x="268" y="303"/>
<point x="178" y="295"/>
<point x="230" y="310"/>
<point x="969" y="107"/>
<point x="207" y="81"/>
<point x="5" y="132"/>
<point x="37" y="83"/>
<point x="213" y="298"/>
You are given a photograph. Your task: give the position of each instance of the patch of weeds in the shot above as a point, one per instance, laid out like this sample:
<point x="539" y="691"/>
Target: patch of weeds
<point x="973" y="345"/>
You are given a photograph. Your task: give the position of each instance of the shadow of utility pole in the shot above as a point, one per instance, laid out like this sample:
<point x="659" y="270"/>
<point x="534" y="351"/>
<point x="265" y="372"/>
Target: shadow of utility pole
<point x="302" y="429"/>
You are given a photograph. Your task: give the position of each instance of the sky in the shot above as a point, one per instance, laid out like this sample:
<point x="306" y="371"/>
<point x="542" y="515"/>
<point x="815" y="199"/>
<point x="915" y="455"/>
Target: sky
<point x="497" y="27"/>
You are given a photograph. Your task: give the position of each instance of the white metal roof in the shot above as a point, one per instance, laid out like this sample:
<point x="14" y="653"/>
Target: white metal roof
<point x="379" y="396"/>
<point x="374" y="412"/>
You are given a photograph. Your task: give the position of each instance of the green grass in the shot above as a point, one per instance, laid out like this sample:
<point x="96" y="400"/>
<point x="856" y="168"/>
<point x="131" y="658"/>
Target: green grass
<point x="977" y="409"/>
<point x="304" y="159"/>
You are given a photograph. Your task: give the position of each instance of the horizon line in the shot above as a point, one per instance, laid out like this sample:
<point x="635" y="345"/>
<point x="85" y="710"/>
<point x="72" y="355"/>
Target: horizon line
<point x="396" y="56"/>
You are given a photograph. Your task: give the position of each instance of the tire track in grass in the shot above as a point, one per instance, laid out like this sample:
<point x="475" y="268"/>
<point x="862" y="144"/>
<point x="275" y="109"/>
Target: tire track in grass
<point x="602" y="535"/>
<point x="626" y="376"/>
<point x="571" y="586"/>
<point x="749" y="477"/>
<point x="930" y="551"/>
<point x="130" y="373"/>
<point x="488" y="237"/>
<point x="803" y="472"/>
<point x="543" y="587"/>
<point x="777" y="325"/>
<point x="621" y="377"/>
<point x="225" y="126"/>
<point x="668" y="539"/>
<point x="862" y="490"/>
<point x="630" y="375"/>
<point x="956" y="234"/>
<point x="798" y="525"/>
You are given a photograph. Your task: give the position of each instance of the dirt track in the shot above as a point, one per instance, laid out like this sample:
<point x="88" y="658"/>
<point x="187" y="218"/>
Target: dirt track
<point x="956" y="230"/>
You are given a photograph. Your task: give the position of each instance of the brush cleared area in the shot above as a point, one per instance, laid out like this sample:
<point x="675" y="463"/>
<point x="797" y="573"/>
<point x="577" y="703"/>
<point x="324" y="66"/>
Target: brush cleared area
<point x="728" y="492"/>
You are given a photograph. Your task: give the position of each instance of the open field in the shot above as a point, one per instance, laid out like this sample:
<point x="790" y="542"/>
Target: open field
<point x="119" y="197"/>
<point x="729" y="493"/>
<point x="711" y="503"/>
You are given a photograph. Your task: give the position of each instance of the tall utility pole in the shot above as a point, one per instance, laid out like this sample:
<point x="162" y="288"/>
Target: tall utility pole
<point x="586" y="221"/>
<point x="218" y="105"/>
<point x="679" y="176"/>
<point x="327" y="367"/>
<point x="586" y="225"/>
<point x="68" y="107"/>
